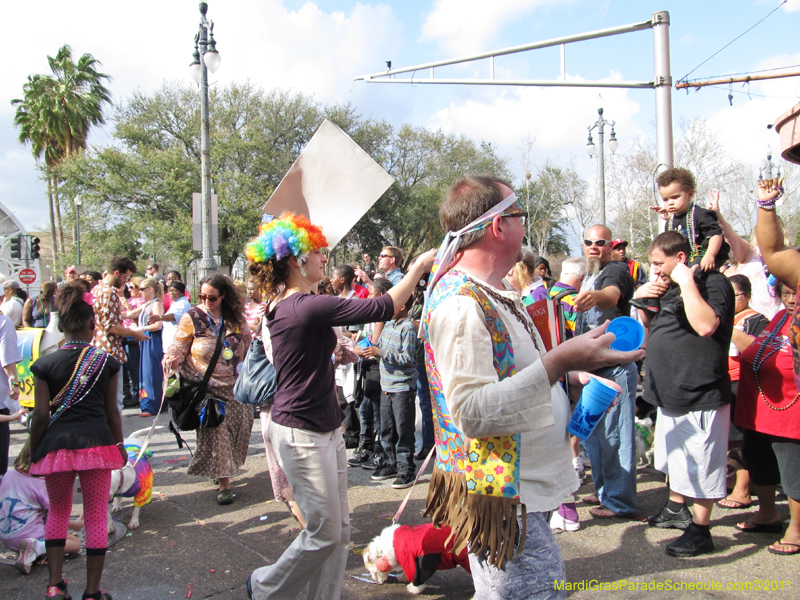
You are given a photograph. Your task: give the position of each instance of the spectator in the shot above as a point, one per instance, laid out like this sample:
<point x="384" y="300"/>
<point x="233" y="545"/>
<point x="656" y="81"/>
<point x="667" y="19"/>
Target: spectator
<point x="605" y="295"/>
<point x="542" y="269"/>
<point x="368" y="265"/>
<point x="36" y="311"/>
<point x="619" y="249"/>
<point x="687" y="379"/>
<point x="10" y="355"/>
<point x="109" y="331"/>
<point x="13" y="302"/>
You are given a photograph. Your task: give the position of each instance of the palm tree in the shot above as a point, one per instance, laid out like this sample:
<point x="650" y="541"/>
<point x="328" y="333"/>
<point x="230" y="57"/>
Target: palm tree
<point x="55" y="116"/>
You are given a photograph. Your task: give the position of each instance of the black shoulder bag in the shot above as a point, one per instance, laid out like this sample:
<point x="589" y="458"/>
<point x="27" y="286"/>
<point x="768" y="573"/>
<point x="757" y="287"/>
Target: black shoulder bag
<point x="184" y="406"/>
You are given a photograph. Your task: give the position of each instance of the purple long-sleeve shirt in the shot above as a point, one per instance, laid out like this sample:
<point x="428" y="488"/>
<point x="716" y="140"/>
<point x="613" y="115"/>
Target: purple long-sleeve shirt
<point x="303" y="341"/>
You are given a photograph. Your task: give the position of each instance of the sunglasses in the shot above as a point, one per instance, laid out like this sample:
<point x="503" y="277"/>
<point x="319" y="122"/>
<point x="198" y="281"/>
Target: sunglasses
<point x="521" y="215"/>
<point x="385" y="255"/>
<point x="598" y="243"/>
<point x="204" y="297"/>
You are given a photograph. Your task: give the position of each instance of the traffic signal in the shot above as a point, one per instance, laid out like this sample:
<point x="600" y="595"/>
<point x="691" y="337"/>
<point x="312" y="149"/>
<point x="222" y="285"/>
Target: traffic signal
<point x="16" y="249"/>
<point x="35" y="247"/>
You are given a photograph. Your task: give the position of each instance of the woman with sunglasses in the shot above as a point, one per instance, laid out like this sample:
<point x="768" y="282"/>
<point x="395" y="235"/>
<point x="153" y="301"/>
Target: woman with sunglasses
<point x="286" y="263"/>
<point x="220" y="450"/>
<point x="151" y="350"/>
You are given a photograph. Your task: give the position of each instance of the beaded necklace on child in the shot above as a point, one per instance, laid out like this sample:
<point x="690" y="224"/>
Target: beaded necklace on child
<point x="758" y="362"/>
<point x="690" y="229"/>
<point x="84" y="377"/>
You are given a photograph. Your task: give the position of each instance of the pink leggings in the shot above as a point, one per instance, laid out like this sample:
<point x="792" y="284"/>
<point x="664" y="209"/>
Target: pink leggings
<point x="95" y="486"/>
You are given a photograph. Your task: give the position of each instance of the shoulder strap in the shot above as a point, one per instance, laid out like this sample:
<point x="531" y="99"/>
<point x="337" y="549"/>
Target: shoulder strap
<point x="213" y="362"/>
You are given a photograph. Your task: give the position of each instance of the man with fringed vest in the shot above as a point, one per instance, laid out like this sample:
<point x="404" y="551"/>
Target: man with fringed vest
<point x="503" y="459"/>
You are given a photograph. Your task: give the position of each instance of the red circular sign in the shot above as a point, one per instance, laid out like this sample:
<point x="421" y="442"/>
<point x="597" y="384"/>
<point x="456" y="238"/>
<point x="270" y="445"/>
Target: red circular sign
<point x="27" y="276"/>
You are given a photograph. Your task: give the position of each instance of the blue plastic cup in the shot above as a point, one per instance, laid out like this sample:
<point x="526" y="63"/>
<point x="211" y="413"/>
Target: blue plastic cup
<point x="595" y="400"/>
<point x="629" y="333"/>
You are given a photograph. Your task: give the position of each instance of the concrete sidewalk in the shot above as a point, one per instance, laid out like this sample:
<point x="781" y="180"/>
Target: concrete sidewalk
<point x="189" y="547"/>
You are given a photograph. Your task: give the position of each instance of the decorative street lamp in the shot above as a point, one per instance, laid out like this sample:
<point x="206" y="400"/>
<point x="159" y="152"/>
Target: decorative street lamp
<point x="205" y="58"/>
<point x="601" y="166"/>
<point x="769" y="170"/>
<point x="78" y="201"/>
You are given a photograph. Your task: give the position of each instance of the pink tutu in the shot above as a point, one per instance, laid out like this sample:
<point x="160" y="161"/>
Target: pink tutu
<point x="84" y="459"/>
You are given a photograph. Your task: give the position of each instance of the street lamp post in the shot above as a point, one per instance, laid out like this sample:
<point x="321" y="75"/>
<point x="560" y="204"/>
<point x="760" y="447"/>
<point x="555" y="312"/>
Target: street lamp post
<point x="205" y="58"/>
<point x="78" y="201"/>
<point x="601" y="165"/>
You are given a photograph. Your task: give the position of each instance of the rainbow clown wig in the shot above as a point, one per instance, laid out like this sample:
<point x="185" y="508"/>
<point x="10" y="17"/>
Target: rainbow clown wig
<point x="288" y="235"/>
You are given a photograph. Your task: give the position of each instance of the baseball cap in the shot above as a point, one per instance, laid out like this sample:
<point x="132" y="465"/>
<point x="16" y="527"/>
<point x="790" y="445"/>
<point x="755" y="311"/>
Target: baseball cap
<point x="10" y="283"/>
<point x="616" y="243"/>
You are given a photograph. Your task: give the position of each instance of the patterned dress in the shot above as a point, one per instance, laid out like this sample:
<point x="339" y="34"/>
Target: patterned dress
<point x="222" y="450"/>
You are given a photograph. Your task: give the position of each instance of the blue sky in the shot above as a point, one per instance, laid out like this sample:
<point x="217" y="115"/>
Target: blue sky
<point x="320" y="47"/>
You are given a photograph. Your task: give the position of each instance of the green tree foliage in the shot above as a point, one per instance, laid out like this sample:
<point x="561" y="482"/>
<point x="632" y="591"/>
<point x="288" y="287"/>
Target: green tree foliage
<point x="255" y="137"/>
<point x="55" y="116"/>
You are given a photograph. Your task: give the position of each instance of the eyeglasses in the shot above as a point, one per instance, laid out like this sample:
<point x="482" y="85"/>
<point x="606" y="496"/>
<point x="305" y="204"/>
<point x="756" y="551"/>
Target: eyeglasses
<point x="598" y="243"/>
<point x="739" y="295"/>
<point x="205" y="297"/>
<point x="522" y="215"/>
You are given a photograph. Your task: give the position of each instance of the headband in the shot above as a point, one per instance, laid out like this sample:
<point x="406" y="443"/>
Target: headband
<point x="452" y="243"/>
<point x="288" y="235"/>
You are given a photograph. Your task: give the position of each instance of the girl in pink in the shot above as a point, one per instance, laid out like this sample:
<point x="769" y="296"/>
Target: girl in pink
<point x="76" y="430"/>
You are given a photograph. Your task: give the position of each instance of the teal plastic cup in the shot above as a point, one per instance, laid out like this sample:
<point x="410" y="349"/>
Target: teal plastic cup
<point x="629" y="333"/>
<point x="594" y="402"/>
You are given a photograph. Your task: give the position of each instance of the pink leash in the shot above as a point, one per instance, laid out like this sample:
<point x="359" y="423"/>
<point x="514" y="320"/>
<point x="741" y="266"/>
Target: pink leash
<point x="424" y="466"/>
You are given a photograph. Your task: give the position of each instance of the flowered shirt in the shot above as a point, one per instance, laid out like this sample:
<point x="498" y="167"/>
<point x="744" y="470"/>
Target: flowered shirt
<point x="107" y="313"/>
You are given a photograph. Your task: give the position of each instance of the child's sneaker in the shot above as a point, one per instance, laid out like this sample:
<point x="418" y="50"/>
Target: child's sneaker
<point x="27" y="554"/>
<point x="565" y="518"/>
<point x="58" y="592"/>
<point x="404" y="480"/>
<point x="384" y="472"/>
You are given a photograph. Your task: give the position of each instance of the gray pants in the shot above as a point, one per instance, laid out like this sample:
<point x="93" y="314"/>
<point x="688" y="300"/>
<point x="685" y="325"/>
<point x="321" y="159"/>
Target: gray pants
<point x="316" y="467"/>
<point x="535" y="573"/>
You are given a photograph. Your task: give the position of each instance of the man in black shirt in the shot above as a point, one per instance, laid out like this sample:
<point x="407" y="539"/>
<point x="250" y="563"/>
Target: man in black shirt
<point x="687" y="379"/>
<point x="605" y="295"/>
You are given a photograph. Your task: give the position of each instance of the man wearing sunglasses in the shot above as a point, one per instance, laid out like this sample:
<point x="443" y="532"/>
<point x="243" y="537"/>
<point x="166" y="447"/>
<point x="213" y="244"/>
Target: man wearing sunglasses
<point x="389" y="262"/>
<point x="493" y="380"/>
<point x="605" y="295"/>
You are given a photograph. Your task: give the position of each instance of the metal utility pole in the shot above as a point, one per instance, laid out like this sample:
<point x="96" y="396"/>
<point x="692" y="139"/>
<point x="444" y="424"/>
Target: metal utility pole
<point x="661" y="82"/>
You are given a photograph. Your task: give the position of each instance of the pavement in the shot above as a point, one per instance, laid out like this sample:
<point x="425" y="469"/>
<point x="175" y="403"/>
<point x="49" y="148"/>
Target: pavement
<point x="189" y="547"/>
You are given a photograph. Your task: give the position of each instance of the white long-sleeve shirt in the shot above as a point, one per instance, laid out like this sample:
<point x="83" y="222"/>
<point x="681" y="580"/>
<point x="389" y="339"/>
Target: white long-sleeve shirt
<point x="525" y="403"/>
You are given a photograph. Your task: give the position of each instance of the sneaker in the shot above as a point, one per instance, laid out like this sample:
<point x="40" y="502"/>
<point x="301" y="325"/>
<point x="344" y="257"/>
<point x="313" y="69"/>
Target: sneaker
<point x="585" y="460"/>
<point x="27" y="554"/>
<point x="693" y="542"/>
<point x="404" y="480"/>
<point x="361" y="456"/>
<point x="565" y="518"/>
<point x="579" y="468"/>
<point x="666" y="519"/>
<point x="647" y="304"/>
<point x="56" y="593"/>
<point x="384" y="472"/>
<point x="376" y="462"/>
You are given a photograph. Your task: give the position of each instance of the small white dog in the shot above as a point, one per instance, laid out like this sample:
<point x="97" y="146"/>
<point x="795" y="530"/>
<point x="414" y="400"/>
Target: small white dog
<point x="413" y="552"/>
<point x="132" y="482"/>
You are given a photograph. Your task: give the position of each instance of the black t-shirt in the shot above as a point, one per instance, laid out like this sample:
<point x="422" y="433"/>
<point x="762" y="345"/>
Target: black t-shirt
<point x="706" y="225"/>
<point x="85" y="423"/>
<point x="684" y="370"/>
<point x="614" y="274"/>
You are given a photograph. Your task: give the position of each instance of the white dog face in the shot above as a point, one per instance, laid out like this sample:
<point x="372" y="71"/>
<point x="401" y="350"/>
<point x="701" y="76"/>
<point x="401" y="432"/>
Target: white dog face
<point x="372" y="555"/>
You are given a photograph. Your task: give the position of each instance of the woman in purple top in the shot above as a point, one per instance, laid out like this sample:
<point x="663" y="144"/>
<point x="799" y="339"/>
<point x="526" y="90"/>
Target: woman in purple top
<point x="286" y="264"/>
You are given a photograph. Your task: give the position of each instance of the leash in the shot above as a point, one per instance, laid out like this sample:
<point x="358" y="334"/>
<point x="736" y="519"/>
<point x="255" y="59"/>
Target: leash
<point x="155" y="421"/>
<point x="424" y="466"/>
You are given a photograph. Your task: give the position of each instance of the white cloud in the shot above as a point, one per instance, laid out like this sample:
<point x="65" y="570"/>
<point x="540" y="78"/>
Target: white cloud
<point x="465" y="26"/>
<point x="557" y="118"/>
<point x="792" y="6"/>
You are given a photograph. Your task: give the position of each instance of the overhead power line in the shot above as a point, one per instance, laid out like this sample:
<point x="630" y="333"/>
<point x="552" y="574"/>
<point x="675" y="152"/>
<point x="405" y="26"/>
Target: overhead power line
<point x="684" y="78"/>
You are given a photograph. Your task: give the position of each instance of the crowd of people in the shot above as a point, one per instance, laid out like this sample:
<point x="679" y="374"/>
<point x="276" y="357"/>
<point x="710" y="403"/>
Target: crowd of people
<point x="363" y="355"/>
